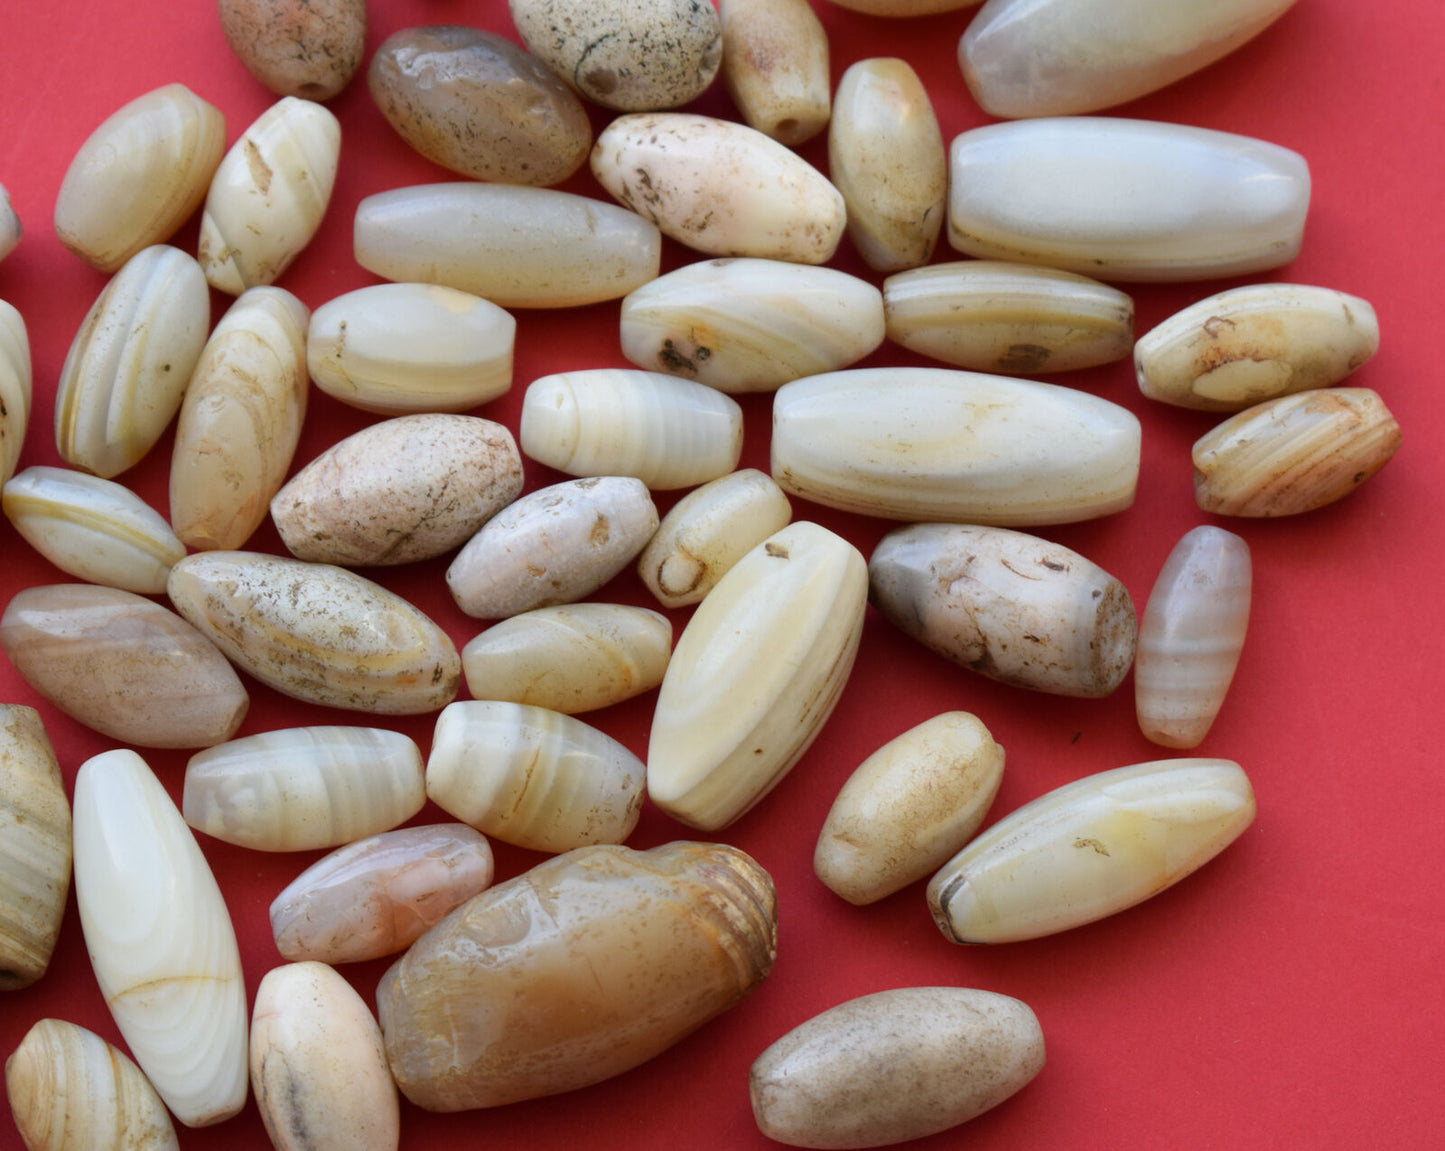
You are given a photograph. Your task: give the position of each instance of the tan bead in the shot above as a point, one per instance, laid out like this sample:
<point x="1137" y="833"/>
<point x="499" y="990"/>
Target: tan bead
<point x="306" y="48"/>
<point x="139" y="176"/>
<point x="123" y="665"/>
<point x="589" y="964"/>
<point x="1295" y="453"/>
<point x="15" y="388"/>
<point x="240" y="421"/>
<point x="775" y="66"/>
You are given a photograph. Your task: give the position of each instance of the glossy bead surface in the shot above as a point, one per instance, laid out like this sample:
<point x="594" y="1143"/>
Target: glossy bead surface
<point x="1091" y="848"/>
<point x="123" y="665"/>
<point x="376" y="896"/>
<point x="588" y="965"/>
<point x="160" y="939"/>
<point x="755" y="675"/>
<point x="16" y="387"/>
<point x="1295" y="453"/>
<point x="1191" y="636"/>
<point x="303" y="788"/>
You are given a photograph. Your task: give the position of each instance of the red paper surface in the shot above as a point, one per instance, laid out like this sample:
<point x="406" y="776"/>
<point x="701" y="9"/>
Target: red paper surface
<point x="1288" y="994"/>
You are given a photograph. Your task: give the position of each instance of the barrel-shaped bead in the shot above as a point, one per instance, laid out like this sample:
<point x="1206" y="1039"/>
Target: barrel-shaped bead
<point x="302" y="788"/>
<point x="16" y="387"/>
<point x="775" y="66"/>
<point x="1191" y="636"/>
<point x="939" y="444"/>
<point x="1091" y="848"/>
<point x="532" y="777"/>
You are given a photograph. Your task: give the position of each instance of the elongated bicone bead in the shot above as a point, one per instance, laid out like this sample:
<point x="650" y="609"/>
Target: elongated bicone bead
<point x="160" y="939"/>
<point x="1191" y="636"/>
<point x="1091" y="848"/>
<point x="16" y="386"/>
<point x="1246" y="345"/>
<point x="577" y="970"/>
<point x="516" y="246"/>
<point x="938" y="444"/>
<point x="1126" y="199"/>
<point x="302" y="788"/>
<point x="1083" y="55"/>
<point x="755" y="675"/>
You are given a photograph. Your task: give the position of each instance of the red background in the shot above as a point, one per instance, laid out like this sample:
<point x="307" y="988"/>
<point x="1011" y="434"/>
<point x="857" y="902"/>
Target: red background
<point x="1286" y="995"/>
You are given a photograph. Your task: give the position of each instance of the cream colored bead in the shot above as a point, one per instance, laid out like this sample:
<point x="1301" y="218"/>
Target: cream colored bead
<point x="719" y="187"/>
<point x="904" y="8"/>
<point x="401" y="348"/>
<point x="1191" y="636"/>
<point x="70" y="1090"/>
<point x="886" y="156"/>
<point x="160" y="939"/>
<point x="127" y="369"/>
<point x="895" y="1066"/>
<point x="667" y="432"/>
<point x="1246" y="345"/>
<point x="1084" y="55"/>
<point x="10" y="227"/>
<point x="532" y="777"/>
<point x="318" y="633"/>
<point x="269" y="195"/>
<point x="775" y="66"/>
<point x="570" y="658"/>
<point x="1295" y="453"/>
<point x="518" y="247"/>
<point x="937" y="444"/>
<point x="909" y="807"/>
<point x="318" y="1066"/>
<point x="755" y="675"/>
<point x="991" y="316"/>
<point x="1126" y="199"/>
<point x="707" y="531"/>
<point x="303" y="788"/>
<point x="240" y="421"/>
<point x="15" y="388"/>
<point x="139" y="176"/>
<point x="1091" y="848"/>
<point x="751" y="325"/>
<point x="93" y="529"/>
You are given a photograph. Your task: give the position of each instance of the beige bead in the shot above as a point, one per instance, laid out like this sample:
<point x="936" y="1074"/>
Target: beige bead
<point x="1295" y="453"/>
<point x="15" y="388"/>
<point x="123" y="665"/>
<point x="554" y="545"/>
<point x="269" y="194"/>
<point x="306" y="48"/>
<point x="908" y="807"/>
<point x="139" y="176"/>
<point x="399" y="491"/>
<point x="665" y="431"/>
<point x="240" y="421"/>
<point x="318" y="633"/>
<point x="127" y="369"/>
<point x="904" y="8"/>
<point x="94" y="529"/>
<point x="707" y="531"/>
<point x="1191" y="636"/>
<point x="580" y="969"/>
<point x="10" y="227"/>
<point x="70" y="1090"/>
<point x="751" y="325"/>
<point x="1084" y="55"/>
<point x="401" y="348"/>
<point x="303" y="788"/>
<point x="1246" y="345"/>
<point x="1008" y="605"/>
<point x="518" y="247"/>
<point x="531" y="777"/>
<point x="991" y="316"/>
<point x="570" y="658"/>
<point x="318" y="1066"/>
<point x="775" y="66"/>
<point x="719" y="187"/>
<point x="939" y="444"/>
<point x="1091" y="848"/>
<point x="34" y="847"/>
<point x="894" y="1066"/>
<point x="886" y="155"/>
<point x="755" y="675"/>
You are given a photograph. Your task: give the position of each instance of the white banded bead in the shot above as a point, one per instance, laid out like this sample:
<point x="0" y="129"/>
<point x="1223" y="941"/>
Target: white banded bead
<point x="16" y="388"/>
